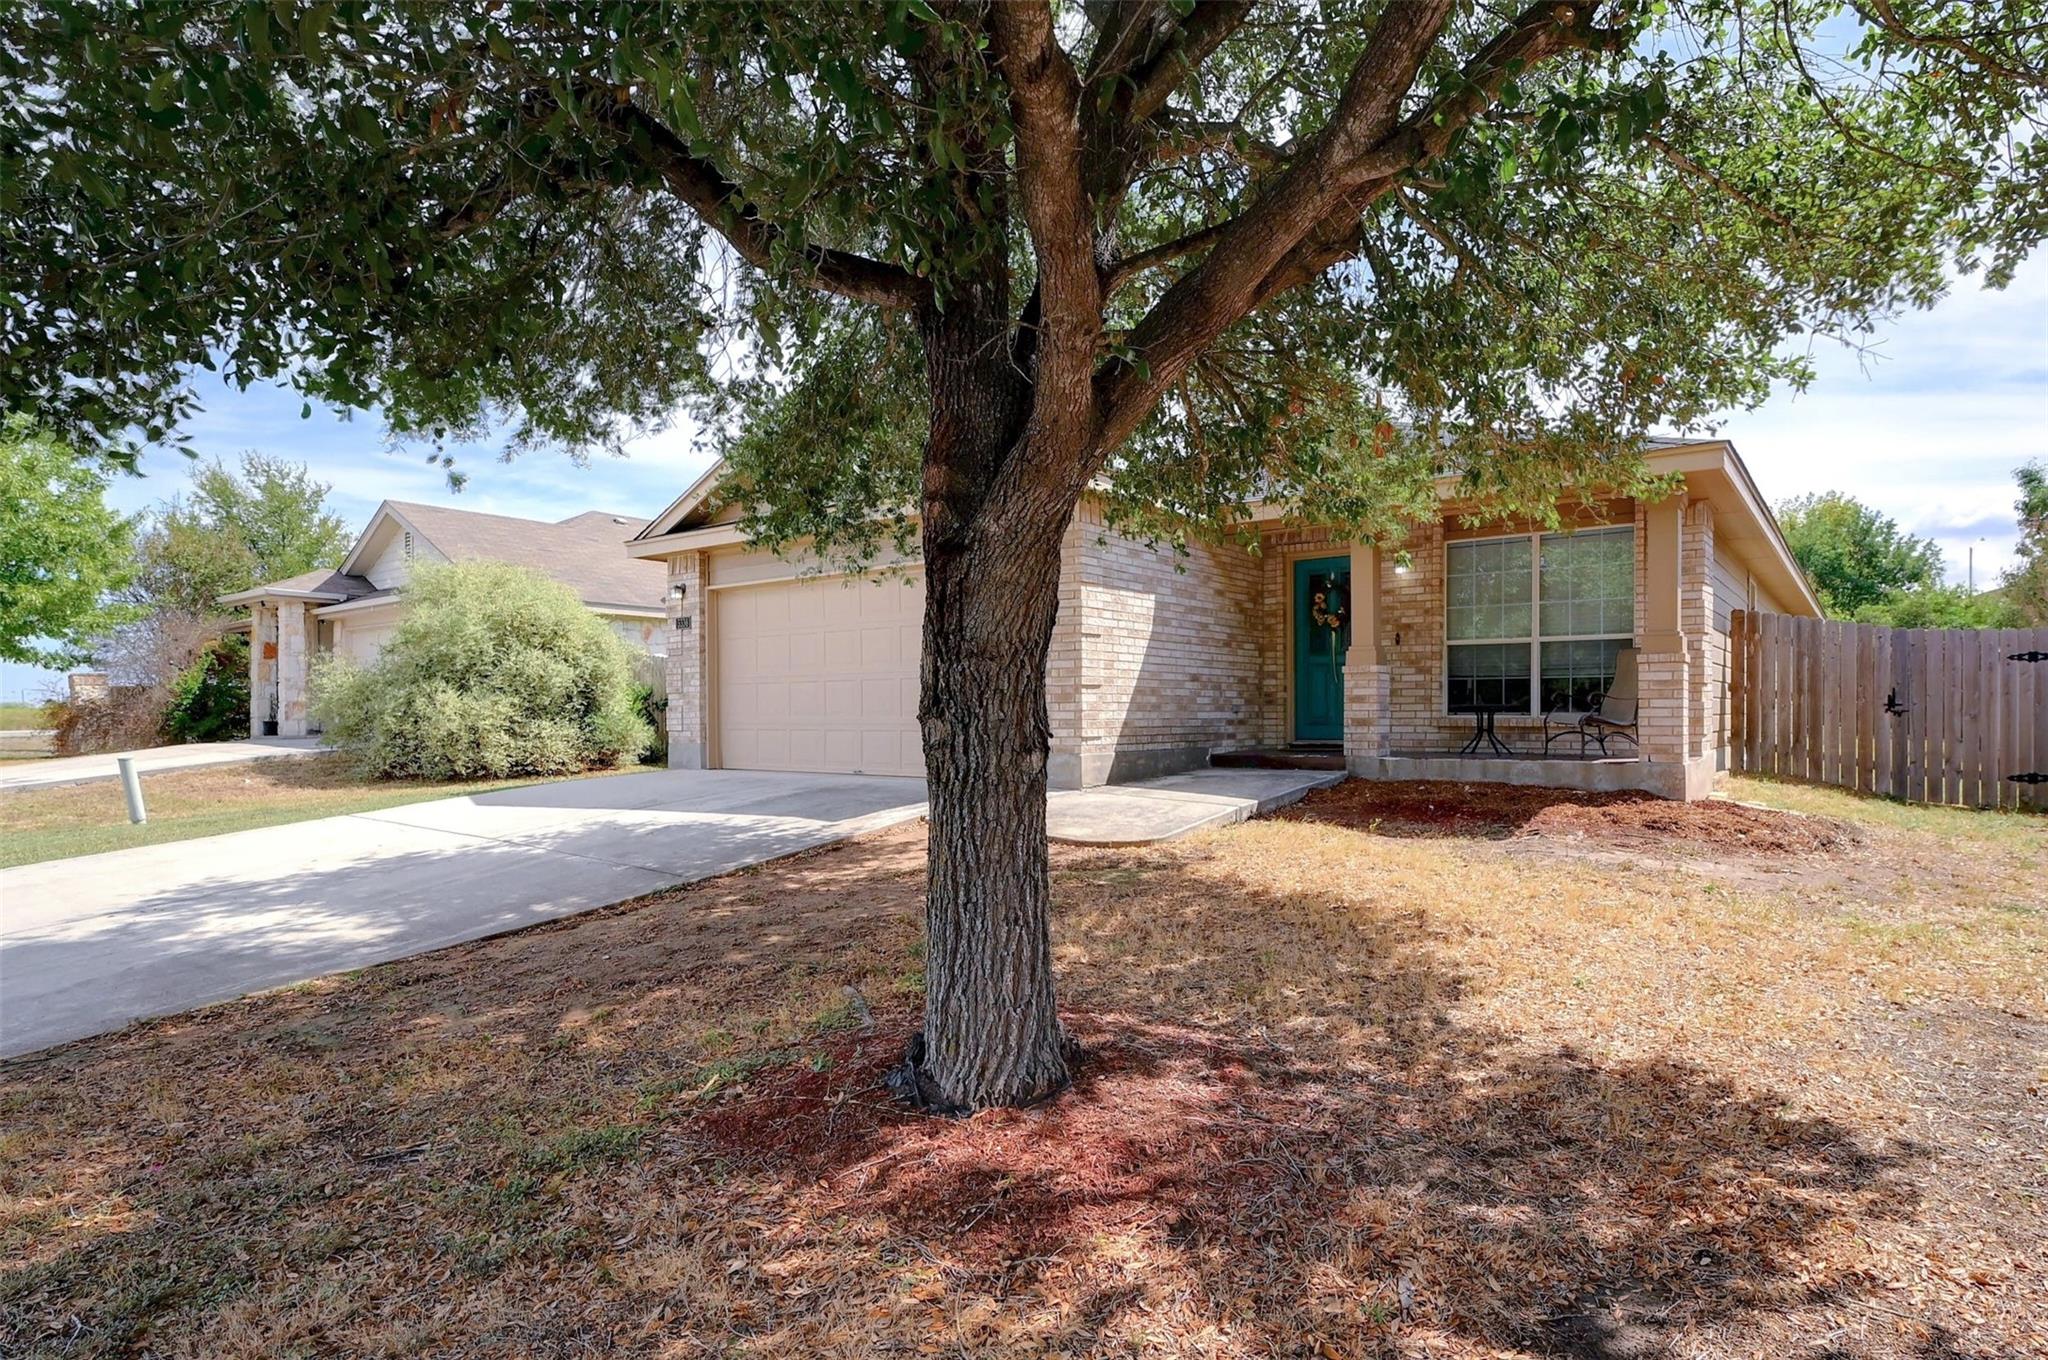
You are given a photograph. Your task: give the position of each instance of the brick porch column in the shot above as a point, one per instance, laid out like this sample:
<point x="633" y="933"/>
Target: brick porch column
<point x="1702" y="643"/>
<point x="689" y="708"/>
<point x="294" y="666"/>
<point x="1663" y="697"/>
<point x="1368" y="682"/>
<point x="262" y="664"/>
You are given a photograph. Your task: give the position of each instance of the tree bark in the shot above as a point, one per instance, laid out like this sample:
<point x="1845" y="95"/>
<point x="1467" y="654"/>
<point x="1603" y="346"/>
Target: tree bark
<point x="992" y="566"/>
<point x="992" y="1033"/>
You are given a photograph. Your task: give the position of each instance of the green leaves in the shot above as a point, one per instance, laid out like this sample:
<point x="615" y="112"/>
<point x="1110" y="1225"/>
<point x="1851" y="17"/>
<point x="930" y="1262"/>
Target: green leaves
<point x="436" y="211"/>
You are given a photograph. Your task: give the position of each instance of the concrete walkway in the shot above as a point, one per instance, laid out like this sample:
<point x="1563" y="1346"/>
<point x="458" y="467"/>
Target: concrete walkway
<point x="154" y="759"/>
<point x="1177" y="805"/>
<point x="88" y="944"/>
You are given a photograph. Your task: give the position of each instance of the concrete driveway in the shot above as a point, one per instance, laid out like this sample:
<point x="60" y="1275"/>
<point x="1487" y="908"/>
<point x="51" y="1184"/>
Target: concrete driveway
<point x="88" y="944"/>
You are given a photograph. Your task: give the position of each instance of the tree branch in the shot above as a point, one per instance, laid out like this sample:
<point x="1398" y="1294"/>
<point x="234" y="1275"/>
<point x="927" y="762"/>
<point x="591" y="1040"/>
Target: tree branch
<point x="1187" y="47"/>
<point x="1880" y="12"/>
<point x="1692" y="167"/>
<point x="1351" y="164"/>
<point x="1182" y="138"/>
<point x="1130" y="266"/>
<point x="1226" y="284"/>
<point x="1045" y="97"/>
<point x="725" y="207"/>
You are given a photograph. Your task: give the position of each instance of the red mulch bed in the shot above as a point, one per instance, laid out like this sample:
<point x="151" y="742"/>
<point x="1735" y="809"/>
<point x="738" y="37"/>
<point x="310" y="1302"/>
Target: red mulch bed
<point x="1160" y="1128"/>
<point x="1499" y="811"/>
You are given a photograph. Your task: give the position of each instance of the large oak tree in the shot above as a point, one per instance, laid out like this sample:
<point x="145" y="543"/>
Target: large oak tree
<point x="965" y="260"/>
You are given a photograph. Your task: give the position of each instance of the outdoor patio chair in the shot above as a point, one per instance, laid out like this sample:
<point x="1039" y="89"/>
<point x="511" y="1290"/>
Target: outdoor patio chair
<point x="1613" y="713"/>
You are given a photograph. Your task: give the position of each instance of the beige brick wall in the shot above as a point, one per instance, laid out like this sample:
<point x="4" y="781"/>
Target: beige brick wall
<point x="689" y="715"/>
<point x="1157" y="654"/>
<point x="1159" y="658"/>
<point x="1706" y="648"/>
<point x="1412" y="643"/>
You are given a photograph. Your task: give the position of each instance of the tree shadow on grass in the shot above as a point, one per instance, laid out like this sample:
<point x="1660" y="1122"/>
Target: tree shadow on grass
<point x="1282" y="1138"/>
<point x="1365" y="1165"/>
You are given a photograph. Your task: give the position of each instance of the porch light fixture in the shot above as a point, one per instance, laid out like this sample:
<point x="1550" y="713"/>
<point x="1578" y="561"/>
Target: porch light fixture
<point x="677" y="591"/>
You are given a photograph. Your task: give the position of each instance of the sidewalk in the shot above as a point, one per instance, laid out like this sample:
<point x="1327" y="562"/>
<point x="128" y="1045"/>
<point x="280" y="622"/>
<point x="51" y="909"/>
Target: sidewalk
<point x="34" y="774"/>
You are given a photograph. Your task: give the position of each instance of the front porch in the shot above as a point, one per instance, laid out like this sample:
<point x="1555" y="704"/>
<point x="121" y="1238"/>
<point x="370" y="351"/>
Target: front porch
<point x="1316" y="652"/>
<point x="1590" y="773"/>
<point x="1402" y="691"/>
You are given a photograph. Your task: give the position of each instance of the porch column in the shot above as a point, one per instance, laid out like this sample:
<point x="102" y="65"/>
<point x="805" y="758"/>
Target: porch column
<point x="1662" y="689"/>
<point x="1368" y="692"/>
<point x="689" y="709"/>
<point x="1703" y="646"/>
<point x="262" y="664"/>
<point x="294" y="666"/>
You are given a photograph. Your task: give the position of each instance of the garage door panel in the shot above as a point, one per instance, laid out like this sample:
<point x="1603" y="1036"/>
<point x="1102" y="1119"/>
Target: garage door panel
<point x="819" y="675"/>
<point x="843" y="751"/>
<point x="842" y="650"/>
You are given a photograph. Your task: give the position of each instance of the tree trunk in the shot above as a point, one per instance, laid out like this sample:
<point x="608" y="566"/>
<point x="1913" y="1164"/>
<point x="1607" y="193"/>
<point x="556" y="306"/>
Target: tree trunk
<point x="992" y="1033"/>
<point x="992" y="567"/>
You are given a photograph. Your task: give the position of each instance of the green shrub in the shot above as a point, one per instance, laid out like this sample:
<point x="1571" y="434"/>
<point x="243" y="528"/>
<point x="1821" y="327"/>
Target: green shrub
<point x="494" y="670"/>
<point x="653" y="706"/>
<point x="210" y="698"/>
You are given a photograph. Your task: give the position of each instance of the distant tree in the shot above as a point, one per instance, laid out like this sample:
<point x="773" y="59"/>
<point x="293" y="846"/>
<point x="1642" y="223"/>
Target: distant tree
<point x="495" y="670"/>
<point x="1942" y="606"/>
<point x="235" y="529"/>
<point x="63" y="553"/>
<point x="1854" y="556"/>
<point x="2026" y="583"/>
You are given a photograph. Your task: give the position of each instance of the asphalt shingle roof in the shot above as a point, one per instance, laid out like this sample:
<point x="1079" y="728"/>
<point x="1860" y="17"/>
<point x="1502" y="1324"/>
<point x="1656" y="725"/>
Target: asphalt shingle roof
<point x="585" y="552"/>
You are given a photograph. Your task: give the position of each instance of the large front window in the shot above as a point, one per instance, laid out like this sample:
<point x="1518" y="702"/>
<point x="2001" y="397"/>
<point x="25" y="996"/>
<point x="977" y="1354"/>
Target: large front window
<point x="1534" y="622"/>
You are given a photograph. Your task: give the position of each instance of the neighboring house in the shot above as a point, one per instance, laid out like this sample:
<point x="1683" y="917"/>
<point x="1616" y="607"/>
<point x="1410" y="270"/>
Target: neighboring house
<point x="353" y="609"/>
<point x="1158" y="662"/>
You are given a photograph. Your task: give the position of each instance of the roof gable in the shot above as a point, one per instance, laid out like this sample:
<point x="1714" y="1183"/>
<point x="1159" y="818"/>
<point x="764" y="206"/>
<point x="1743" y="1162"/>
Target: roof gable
<point x="689" y="510"/>
<point x="585" y="552"/>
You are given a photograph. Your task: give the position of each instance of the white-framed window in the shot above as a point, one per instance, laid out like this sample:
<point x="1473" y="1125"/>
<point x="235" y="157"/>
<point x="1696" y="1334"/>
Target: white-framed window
<point x="1533" y="622"/>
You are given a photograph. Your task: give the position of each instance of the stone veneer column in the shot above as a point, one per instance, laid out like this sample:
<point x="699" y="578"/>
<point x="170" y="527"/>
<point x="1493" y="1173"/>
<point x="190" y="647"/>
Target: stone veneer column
<point x="1368" y="681"/>
<point x="689" y="708"/>
<point x="262" y="664"/>
<point x="294" y="664"/>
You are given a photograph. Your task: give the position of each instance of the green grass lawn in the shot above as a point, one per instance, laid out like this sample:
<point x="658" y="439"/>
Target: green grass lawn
<point x="86" y="819"/>
<point x="13" y="716"/>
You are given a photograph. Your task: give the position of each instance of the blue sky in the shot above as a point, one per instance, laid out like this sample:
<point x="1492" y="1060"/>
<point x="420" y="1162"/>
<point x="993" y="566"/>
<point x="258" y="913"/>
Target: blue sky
<point x="1927" y="426"/>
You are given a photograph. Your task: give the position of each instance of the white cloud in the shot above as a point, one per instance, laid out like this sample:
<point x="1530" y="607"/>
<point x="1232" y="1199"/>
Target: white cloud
<point x="1927" y="428"/>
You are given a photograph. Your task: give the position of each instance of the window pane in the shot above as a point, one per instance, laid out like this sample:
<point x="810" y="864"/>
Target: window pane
<point x="1496" y="674"/>
<point x="1577" y="673"/>
<point x="1487" y="589"/>
<point x="1589" y="582"/>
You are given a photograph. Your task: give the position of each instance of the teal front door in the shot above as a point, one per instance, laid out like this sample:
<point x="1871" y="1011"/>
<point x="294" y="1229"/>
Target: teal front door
<point x="1322" y="634"/>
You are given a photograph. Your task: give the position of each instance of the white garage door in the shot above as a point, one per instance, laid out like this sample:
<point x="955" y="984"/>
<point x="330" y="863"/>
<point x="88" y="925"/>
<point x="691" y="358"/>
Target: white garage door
<point x="820" y="675"/>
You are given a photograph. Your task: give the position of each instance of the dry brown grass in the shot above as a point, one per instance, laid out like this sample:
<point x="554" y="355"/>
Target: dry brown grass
<point x="1347" y="1093"/>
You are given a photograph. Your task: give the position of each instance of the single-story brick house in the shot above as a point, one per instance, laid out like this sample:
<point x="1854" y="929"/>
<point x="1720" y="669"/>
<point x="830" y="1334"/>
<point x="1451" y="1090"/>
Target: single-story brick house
<point x="352" y="609"/>
<point x="1311" y="642"/>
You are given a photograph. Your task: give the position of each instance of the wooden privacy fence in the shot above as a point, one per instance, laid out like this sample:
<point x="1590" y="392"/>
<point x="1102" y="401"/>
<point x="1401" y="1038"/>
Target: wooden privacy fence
<point x="1933" y="715"/>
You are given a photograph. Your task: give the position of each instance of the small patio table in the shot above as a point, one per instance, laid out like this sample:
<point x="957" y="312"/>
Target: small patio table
<point x="1482" y="728"/>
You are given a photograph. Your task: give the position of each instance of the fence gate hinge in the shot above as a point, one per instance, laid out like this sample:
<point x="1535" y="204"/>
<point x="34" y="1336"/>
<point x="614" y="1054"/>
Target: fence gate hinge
<point x="2030" y="777"/>
<point x="2028" y="656"/>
